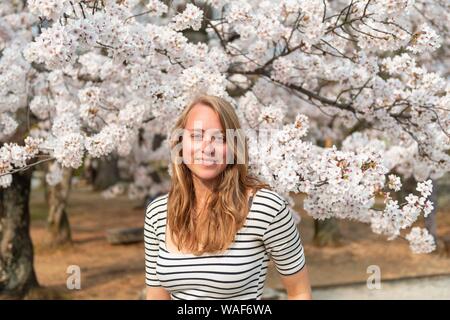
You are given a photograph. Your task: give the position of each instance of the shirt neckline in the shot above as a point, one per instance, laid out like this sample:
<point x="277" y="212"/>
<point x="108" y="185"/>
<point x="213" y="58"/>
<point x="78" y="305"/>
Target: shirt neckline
<point x="164" y="246"/>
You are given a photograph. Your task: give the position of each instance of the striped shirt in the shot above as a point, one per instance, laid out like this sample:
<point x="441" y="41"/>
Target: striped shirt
<point x="269" y="232"/>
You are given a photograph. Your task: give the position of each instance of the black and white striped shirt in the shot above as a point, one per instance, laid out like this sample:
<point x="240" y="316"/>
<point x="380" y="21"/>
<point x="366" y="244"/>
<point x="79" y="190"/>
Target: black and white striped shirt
<point x="238" y="273"/>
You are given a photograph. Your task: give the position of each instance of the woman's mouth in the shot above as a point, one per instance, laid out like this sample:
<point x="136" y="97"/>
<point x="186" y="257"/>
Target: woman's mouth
<point x="207" y="162"/>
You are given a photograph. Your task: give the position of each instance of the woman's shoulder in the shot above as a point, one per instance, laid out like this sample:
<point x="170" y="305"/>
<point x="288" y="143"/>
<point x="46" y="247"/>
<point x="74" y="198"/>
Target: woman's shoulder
<point x="270" y="201"/>
<point x="156" y="205"/>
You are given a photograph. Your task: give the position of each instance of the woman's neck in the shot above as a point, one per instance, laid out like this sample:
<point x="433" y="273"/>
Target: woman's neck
<point x="202" y="189"/>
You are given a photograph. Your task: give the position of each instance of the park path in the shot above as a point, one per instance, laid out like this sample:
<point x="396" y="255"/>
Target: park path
<point x="423" y="288"/>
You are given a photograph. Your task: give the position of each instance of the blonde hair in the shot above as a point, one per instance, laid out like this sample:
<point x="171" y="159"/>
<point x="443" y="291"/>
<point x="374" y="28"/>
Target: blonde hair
<point x="227" y="207"/>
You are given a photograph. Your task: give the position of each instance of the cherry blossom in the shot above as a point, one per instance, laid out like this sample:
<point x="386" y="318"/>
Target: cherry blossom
<point x="100" y="78"/>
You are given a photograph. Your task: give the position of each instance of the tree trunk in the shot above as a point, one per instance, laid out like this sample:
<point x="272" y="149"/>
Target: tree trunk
<point x="430" y="220"/>
<point x="409" y="186"/>
<point x="58" y="220"/>
<point x="17" y="275"/>
<point x="326" y="232"/>
<point x="107" y="173"/>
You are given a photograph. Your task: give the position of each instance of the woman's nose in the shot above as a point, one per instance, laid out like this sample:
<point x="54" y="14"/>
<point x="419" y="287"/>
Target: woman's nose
<point x="208" y="146"/>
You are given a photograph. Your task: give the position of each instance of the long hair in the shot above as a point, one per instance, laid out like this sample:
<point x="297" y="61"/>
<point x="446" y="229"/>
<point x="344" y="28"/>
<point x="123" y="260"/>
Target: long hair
<point x="227" y="206"/>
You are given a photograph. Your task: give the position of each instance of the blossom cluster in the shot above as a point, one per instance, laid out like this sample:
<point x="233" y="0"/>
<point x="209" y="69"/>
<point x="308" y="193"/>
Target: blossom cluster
<point x="302" y="75"/>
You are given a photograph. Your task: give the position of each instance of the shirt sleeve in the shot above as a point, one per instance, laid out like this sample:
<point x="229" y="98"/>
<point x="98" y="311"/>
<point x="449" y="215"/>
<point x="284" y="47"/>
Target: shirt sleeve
<point x="283" y="243"/>
<point x="151" y="245"/>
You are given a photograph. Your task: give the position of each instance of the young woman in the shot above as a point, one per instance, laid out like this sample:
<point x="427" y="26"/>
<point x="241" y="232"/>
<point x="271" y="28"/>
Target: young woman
<point x="213" y="234"/>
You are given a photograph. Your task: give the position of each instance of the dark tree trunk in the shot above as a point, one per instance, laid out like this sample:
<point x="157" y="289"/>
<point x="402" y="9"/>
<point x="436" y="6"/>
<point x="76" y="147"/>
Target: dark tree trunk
<point x="17" y="275"/>
<point x="58" y="220"/>
<point x="107" y="172"/>
<point x="326" y="232"/>
<point x="409" y="186"/>
<point x="430" y="220"/>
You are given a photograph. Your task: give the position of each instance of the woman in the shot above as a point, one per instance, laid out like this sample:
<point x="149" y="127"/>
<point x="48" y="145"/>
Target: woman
<point x="211" y="236"/>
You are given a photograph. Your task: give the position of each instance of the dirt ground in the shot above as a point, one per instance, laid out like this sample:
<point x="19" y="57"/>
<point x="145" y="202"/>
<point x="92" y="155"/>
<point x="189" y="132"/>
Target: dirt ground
<point x="117" y="271"/>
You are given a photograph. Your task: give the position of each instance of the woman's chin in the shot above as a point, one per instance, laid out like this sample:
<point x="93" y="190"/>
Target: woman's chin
<point x="207" y="172"/>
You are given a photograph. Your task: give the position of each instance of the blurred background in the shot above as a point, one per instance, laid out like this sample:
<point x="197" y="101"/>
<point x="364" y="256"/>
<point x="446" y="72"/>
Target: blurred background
<point x="104" y="239"/>
<point x="90" y="220"/>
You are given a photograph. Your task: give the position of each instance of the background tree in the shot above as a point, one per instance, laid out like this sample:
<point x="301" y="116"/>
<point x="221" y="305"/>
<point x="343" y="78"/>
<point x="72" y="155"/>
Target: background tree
<point x="106" y="77"/>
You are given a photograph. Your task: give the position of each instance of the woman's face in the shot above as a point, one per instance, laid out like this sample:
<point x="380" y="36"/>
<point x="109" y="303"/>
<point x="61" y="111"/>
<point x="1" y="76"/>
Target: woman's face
<point x="204" y="145"/>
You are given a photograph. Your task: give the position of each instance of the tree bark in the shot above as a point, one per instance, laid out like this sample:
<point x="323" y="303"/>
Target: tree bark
<point x="17" y="275"/>
<point x="326" y="232"/>
<point x="58" y="219"/>
<point x="430" y="220"/>
<point x="107" y="173"/>
<point x="409" y="186"/>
